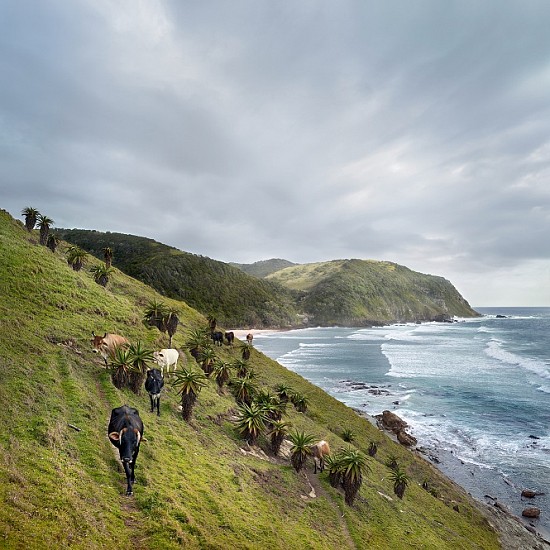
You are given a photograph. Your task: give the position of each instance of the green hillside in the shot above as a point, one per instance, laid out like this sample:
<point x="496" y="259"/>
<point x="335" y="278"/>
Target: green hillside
<point x="264" y="268"/>
<point x="366" y="292"/>
<point x="198" y="484"/>
<point x="212" y="287"/>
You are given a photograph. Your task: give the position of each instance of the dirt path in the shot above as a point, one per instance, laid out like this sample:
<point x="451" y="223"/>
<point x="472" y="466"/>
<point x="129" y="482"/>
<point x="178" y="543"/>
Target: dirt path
<point x="319" y="491"/>
<point x="132" y="516"/>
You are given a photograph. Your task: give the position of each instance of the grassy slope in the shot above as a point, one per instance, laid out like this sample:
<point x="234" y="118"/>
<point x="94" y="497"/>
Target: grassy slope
<point x="357" y="292"/>
<point x="195" y="486"/>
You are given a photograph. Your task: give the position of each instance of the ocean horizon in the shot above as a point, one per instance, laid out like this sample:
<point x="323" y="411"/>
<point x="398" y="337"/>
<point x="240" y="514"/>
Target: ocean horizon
<point x="474" y="392"/>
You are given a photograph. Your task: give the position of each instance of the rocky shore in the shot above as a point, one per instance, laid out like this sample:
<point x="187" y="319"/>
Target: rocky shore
<point x="515" y="532"/>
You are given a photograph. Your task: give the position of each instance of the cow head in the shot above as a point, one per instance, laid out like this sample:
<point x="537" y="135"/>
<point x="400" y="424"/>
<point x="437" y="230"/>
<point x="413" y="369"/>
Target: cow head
<point x="127" y="441"/>
<point x="97" y="342"/>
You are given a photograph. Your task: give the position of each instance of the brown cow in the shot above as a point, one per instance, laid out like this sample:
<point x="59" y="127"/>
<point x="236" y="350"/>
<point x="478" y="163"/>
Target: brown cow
<point x="249" y="338"/>
<point x="319" y="451"/>
<point x="107" y="344"/>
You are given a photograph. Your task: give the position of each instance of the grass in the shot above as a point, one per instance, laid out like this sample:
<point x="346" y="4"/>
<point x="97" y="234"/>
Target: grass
<point x="197" y="485"/>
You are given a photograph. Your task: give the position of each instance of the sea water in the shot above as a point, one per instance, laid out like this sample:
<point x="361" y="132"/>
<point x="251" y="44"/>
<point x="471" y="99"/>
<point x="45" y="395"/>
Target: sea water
<point x="476" y="390"/>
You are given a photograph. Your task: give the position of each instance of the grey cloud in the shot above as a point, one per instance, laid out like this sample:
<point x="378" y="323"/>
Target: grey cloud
<point x="416" y="133"/>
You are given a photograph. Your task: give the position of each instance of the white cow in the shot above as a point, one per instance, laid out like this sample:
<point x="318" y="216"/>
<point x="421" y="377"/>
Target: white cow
<point x="165" y="358"/>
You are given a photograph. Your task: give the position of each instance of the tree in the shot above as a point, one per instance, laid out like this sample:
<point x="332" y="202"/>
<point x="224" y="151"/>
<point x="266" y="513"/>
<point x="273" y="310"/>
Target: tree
<point x="250" y="421"/>
<point x="158" y="315"/>
<point x="373" y="448"/>
<point x="139" y="356"/>
<point x="243" y="390"/>
<point x="101" y="274"/>
<point x="207" y="357"/>
<point x="121" y="365"/>
<point x="76" y="257"/>
<point x="284" y="392"/>
<point x="245" y="351"/>
<point x="171" y="322"/>
<point x="348" y="435"/>
<point x="212" y="322"/>
<point x="31" y="215"/>
<point x="400" y="481"/>
<point x="44" y="224"/>
<point x="197" y="340"/>
<point x="221" y="373"/>
<point x="242" y="368"/>
<point x="108" y="255"/>
<point x="52" y="242"/>
<point x="300" y="402"/>
<point x="154" y="313"/>
<point x="272" y="407"/>
<point x="333" y="466"/>
<point x="301" y="448"/>
<point x="279" y="430"/>
<point x="188" y="383"/>
<point x="392" y="463"/>
<point x="353" y="467"/>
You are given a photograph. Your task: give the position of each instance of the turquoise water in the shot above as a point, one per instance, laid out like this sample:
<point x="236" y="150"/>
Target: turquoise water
<point x="477" y="388"/>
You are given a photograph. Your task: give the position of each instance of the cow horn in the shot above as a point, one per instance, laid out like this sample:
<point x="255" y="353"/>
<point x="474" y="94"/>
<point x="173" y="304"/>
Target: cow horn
<point x="93" y="333"/>
<point x="105" y="335"/>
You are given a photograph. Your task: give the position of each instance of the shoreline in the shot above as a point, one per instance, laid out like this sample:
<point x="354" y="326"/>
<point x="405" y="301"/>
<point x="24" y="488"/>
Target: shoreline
<point x="495" y="496"/>
<point x="514" y="530"/>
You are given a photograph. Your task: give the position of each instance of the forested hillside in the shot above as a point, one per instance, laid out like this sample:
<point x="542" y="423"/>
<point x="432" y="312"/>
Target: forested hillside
<point x="367" y="292"/>
<point x="264" y="268"/>
<point x="214" y="288"/>
<point x="199" y="484"/>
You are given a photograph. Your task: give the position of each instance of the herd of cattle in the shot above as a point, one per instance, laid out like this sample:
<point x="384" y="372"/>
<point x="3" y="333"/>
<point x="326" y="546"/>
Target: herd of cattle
<point x="125" y="429"/>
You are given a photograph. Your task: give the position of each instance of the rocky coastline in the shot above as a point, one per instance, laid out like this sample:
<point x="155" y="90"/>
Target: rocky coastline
<point x="515" y="532"/>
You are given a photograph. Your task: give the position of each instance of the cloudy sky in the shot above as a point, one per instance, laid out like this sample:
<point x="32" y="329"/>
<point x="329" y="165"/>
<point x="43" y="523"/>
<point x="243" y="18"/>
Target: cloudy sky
<point x="414" y="132"/>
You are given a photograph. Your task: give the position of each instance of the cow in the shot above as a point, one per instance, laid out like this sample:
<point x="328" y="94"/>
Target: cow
<point x="217" y="336"/>
<point x="230" y="337"/>
<point x="166" y="358"/>
<point x="249" y="338"/>
<point x="319" y="451"/>
<point x="154" y="383"/>
<point x="125" y="432"/>
<point x="107" y="344"/>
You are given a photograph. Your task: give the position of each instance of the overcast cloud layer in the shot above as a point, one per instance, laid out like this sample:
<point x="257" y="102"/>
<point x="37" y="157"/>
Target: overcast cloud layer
<point x="414" y="132"/>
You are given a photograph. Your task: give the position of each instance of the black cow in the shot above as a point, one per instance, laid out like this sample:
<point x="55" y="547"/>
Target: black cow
<point x="217" y="336"/>
<point x="153" y="384"/>
<point x="125" y="432"/>
<point x="230" y="337"/>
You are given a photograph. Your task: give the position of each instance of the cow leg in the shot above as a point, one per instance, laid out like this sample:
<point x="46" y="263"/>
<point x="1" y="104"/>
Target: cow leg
<point x="152" y="403"/>
<point x="129" y="470"/>
<point x="158" y="406"/>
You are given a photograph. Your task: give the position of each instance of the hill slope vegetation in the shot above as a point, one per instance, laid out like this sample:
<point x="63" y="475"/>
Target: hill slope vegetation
<point x="198" y="484"/>
<point x="341" y="292"/>
<point x="367" y="292"/>
<point x="214" y="288"/>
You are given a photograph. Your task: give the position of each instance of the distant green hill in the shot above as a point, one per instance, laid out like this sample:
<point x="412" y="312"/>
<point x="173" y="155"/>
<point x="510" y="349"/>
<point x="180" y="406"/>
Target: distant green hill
<point x="212" y="287"/>
<point x="367" y="292"/>
<point x="198" y="484"/>
<point x="264" y="268"/>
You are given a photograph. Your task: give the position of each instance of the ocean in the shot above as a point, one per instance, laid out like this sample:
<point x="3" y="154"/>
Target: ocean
<point x="475" y="393"/>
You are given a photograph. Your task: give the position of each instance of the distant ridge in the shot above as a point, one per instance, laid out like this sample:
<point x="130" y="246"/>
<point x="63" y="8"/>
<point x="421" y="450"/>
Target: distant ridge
<point x="263" y="268"/>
